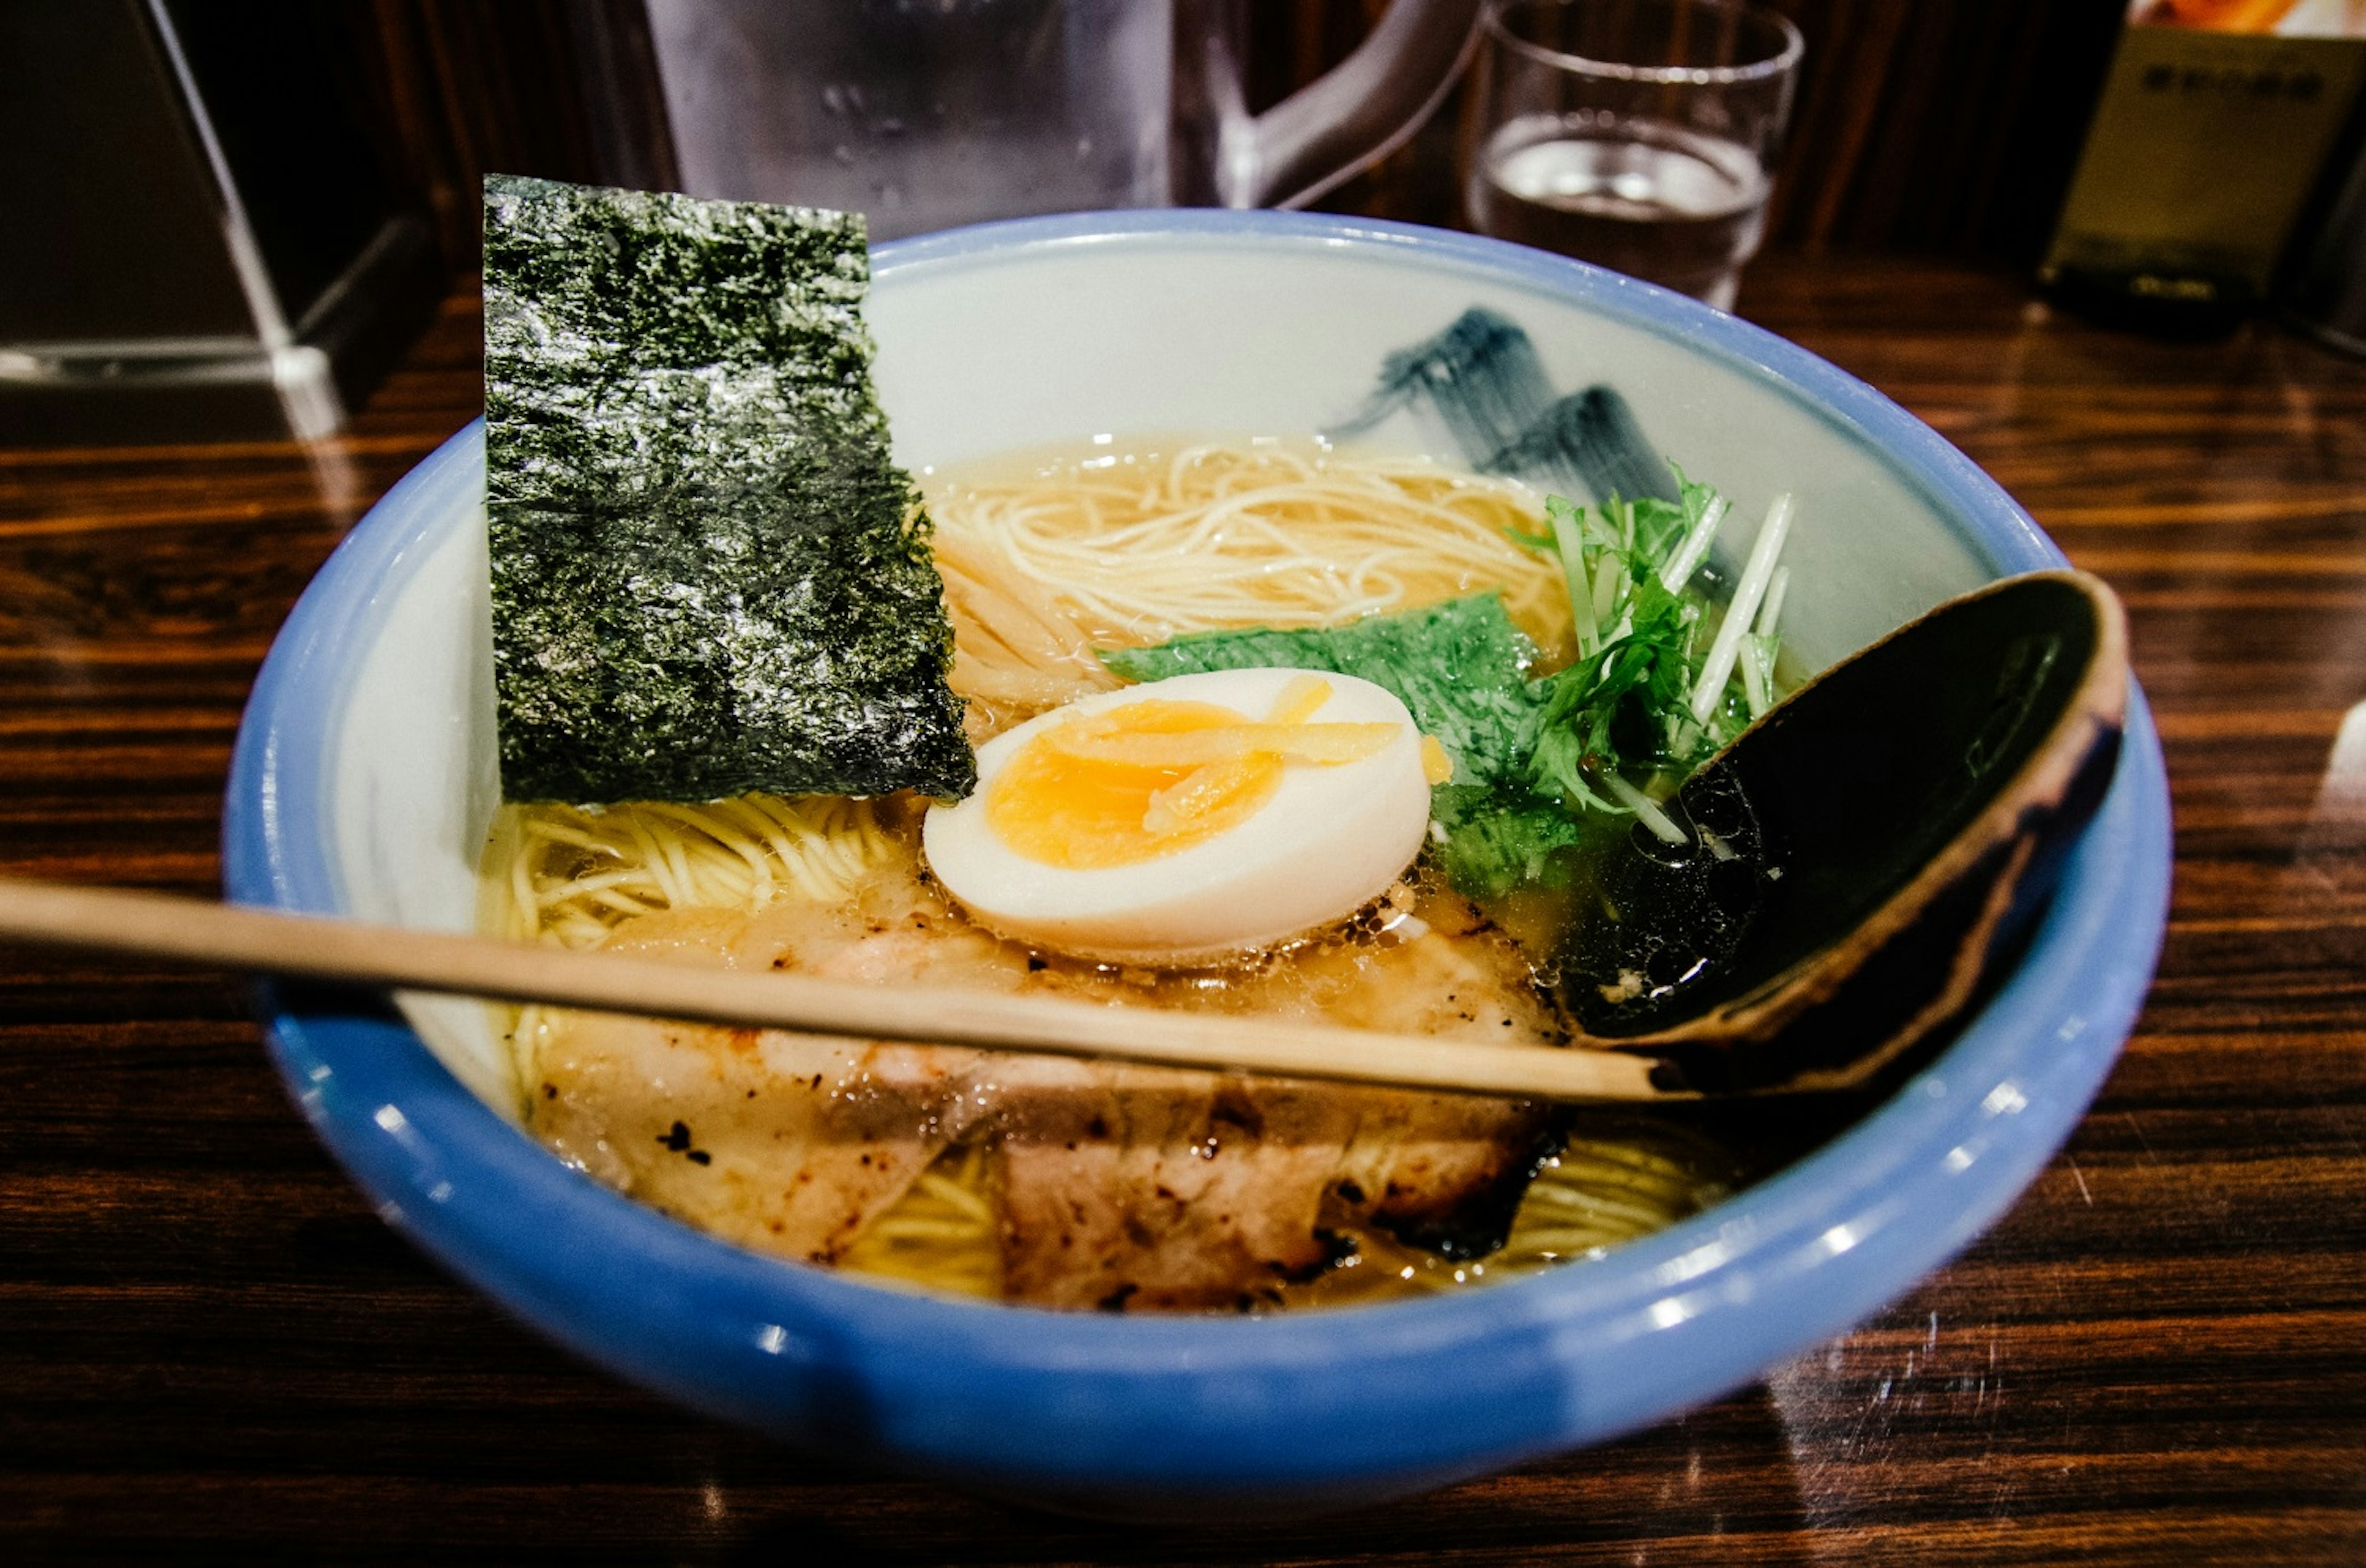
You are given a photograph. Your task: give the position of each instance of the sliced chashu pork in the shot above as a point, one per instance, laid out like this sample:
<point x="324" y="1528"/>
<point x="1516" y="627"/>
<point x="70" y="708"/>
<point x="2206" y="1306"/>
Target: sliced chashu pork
<point x="785" y="1143"/>
<point x="1142" y="1187"/>
<point x="1124" y="1187"/>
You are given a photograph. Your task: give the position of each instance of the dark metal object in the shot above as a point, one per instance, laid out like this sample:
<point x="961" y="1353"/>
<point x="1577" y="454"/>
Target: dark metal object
<point x="205" y="242"/>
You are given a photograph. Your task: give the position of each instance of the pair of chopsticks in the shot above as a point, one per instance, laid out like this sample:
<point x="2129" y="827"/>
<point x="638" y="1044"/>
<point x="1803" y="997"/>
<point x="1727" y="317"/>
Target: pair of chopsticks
<point x="224" y="936"/>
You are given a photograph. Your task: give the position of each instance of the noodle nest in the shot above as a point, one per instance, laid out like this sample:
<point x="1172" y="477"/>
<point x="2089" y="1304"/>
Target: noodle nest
<point x="1046" y="563"/>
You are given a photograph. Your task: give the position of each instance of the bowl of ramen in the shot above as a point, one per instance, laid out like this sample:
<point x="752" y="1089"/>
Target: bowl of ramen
<point x="1189" y="476"/>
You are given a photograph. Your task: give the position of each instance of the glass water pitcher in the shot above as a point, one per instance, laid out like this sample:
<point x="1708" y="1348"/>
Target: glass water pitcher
<point x="926" y="113"/>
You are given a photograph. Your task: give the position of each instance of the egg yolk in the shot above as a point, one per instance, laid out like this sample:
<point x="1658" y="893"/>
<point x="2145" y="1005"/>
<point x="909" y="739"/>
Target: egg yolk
<point x="1146" y="779"/>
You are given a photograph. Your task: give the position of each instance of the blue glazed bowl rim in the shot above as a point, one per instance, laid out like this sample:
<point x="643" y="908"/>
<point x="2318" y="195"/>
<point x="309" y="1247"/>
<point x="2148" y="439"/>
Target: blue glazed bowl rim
<point x="1332" y="1404"/>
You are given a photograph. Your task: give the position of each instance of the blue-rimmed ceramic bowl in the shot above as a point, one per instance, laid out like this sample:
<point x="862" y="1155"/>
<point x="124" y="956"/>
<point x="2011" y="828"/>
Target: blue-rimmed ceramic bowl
<point x="363" y="779"/>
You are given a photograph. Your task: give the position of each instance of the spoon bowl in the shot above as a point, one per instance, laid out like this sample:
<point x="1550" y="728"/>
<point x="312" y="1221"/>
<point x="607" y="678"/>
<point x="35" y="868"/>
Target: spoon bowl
<point x="1859" y="861"/>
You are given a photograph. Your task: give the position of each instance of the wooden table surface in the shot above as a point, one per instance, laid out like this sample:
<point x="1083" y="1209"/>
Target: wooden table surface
<point x="210" y="1345"/>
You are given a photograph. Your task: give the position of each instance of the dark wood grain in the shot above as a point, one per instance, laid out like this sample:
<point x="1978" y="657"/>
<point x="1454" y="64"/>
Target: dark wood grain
<point x="210" y="1345"/>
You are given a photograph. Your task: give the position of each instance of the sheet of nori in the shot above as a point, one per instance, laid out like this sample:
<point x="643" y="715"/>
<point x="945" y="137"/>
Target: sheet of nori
<point x="708" y="578"/>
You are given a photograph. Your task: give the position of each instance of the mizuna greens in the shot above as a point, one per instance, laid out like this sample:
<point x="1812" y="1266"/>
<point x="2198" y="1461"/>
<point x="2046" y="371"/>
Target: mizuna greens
<point x="1539" y="763"/>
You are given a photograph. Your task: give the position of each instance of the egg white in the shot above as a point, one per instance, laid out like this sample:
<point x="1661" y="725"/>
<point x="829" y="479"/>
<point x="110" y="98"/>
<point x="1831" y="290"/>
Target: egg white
<point x="1329" y="841"/>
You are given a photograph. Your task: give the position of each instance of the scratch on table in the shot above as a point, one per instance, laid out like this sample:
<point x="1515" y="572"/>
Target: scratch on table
<point x="2137" y="1128"/>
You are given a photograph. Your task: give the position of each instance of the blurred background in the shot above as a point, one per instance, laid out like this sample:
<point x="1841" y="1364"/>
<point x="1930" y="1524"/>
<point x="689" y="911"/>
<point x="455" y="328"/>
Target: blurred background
<point x="244" y="210"/>
<point x="1947" y="126"/>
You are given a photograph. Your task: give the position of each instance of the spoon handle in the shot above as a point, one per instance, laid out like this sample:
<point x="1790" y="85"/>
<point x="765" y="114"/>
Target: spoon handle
<point x="193" y="931"/>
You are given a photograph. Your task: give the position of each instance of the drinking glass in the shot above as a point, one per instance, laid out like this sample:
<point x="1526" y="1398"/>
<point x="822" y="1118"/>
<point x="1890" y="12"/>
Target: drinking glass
<point x="1637" y="134"/>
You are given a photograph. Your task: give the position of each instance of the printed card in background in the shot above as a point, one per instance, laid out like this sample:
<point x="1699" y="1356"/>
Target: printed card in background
<point x="2215" y="125"/>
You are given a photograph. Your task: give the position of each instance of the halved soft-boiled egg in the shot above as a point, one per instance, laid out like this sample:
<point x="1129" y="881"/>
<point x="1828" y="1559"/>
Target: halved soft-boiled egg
<point x="1184" y="820"/>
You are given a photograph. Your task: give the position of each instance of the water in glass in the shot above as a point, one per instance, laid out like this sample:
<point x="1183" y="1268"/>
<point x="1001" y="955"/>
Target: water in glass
<point x="1654" y="200"/>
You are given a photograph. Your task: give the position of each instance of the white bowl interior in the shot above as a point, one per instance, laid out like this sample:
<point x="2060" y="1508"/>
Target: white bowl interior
<point x="982" y="353"/>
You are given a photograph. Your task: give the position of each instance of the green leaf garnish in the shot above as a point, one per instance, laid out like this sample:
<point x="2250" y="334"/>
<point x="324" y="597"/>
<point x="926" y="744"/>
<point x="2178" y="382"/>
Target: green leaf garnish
<point x="1539" y="763"/>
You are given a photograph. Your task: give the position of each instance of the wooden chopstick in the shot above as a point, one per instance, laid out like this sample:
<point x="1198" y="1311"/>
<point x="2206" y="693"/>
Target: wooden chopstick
<point x="226" y="936"/>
